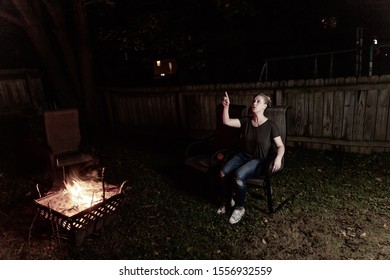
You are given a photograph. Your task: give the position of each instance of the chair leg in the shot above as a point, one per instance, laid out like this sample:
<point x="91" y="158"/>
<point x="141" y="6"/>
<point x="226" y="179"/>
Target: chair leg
<point x="268" y="192"/>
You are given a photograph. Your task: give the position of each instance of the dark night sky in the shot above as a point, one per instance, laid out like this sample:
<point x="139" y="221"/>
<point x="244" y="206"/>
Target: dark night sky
<point x="224" y="45"/>
<point x="280" y="23"/>
<point x="234" y="45"/>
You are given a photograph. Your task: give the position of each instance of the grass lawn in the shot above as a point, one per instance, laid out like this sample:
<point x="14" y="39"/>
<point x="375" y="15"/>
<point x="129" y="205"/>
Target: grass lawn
<point x="341" y="210"/>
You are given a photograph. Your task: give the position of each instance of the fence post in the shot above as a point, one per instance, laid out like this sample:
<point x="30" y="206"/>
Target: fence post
<point x="264" y="70"/>
<point x="359" y="48"/>
<point x="370" y="64"/>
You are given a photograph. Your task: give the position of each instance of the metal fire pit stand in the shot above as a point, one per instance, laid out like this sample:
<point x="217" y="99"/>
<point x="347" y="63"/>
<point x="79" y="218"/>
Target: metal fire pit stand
<point x="84" y="223"/>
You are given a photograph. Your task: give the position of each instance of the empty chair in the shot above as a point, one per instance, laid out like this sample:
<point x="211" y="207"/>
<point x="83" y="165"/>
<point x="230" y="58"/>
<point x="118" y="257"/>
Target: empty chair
<point x="64" y="140"/>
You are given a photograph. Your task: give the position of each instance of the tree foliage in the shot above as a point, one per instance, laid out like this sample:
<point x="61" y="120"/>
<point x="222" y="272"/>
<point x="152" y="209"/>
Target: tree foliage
<point x="196" y="33"/>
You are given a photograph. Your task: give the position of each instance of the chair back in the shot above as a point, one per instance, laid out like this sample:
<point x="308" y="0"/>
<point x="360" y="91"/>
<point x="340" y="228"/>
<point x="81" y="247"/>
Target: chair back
<point x="226" y="136"/>
<point x="278" y="114"/>
<point x="62" y="130"/>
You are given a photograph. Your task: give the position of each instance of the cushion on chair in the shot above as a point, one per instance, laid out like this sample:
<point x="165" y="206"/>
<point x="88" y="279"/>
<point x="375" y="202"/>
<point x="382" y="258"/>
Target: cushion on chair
<point x="199" y="162"/>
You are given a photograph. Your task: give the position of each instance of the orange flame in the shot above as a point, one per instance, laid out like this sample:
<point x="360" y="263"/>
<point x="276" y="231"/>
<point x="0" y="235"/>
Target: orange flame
<point x="84" y="194"/>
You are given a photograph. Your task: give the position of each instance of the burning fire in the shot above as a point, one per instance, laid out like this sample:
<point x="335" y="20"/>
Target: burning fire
<point x="81" y="192"/>
<point x="84" y="194"/>
<point x="84" y="189"/>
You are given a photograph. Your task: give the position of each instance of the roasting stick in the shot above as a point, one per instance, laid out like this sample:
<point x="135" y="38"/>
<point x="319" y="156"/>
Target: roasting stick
<point x="120" y="189"/>
<point x="93" y="194"/>
<point x="104" y="191"/>
<point x="39" y="192"/>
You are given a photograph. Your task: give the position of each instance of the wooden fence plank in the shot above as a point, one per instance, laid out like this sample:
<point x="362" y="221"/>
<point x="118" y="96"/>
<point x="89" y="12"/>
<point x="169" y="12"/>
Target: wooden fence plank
<point x="338" y="106"/>
<point x="203" y="112"/>
<point x="290" y="100"/>
<point x="349" y="108"/>
<point x="369" y="118"/>
<point x="310" y="116"/>
<point x="318" y="109"/>
<point x="210" y="105"/>
<point x="300" y="118"/>
<point x="3" y="99"/>
<point x="328" y="114"/>
<point x="370" y="115"/>
<point x="383" y="116"/>
<point x="359" y="114"/>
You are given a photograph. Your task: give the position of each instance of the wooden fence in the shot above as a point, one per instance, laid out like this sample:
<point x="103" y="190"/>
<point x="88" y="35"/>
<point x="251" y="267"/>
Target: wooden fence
<point x="21" y="90"/>
<point x="349" y="114"/>
<point x="345" y="113"/>
<point x="187" y="111"/>
<point x="352" y="114"/>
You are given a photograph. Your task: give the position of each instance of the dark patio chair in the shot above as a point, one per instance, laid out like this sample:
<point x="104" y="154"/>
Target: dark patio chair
<point x="279" y="115"/>
<point x="64" y="142"/>
<point x="206" y="155"/>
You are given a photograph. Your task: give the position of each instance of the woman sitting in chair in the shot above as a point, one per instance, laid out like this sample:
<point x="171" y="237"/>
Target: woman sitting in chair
<point x="258" y="135"/>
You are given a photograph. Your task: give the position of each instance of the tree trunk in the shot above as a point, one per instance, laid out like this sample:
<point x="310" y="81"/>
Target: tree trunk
<point x="34" y="28"/>
<point x="67" y="59"/>
<point x="91" y="100"/>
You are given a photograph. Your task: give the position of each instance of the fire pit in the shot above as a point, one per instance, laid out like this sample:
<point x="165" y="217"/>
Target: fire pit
<point x="82" y="207"/>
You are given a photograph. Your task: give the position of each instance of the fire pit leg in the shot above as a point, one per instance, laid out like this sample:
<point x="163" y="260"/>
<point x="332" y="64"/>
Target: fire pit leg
<point x="79" y="236"/>
<point x="31" y="227"/>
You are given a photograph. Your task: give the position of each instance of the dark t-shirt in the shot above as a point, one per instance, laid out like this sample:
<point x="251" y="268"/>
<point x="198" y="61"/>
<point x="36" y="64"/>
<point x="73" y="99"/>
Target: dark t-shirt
<point x="257" y="141"/>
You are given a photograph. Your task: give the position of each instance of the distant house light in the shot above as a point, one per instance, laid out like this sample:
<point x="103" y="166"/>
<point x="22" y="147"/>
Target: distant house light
<point x="329" y="23"/>
<point x="164" y="67"/>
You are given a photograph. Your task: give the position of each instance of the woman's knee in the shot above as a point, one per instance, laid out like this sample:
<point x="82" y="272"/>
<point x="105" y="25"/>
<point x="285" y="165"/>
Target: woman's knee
<point x="240" y="183"/>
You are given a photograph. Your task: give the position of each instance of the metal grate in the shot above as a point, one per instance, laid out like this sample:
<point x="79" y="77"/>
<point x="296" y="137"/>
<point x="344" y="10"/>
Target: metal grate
<point x="84" y="222"/>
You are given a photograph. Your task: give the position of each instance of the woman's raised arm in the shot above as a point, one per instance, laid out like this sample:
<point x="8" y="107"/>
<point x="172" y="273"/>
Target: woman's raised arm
<point x="225" y="113"/>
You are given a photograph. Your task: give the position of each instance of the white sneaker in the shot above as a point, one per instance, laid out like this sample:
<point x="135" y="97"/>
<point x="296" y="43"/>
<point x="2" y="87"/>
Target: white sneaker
<point x="221" y="210"/>
<point x="232" y="203"/>
<point x="237" y="215"/>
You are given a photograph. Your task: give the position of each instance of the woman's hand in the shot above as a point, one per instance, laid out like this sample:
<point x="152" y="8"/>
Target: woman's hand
<point x="226" y="100"/>
<point x="225" y="113"/>
<point x="277" y="164"/>
<point x="280" y="152"/>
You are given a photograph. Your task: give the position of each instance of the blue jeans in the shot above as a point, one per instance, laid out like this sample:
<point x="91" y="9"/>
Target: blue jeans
<point x="241" y="167"/>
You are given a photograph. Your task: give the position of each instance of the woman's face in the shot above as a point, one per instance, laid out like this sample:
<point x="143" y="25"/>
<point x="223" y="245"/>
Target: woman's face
<point x="258" y="104"/>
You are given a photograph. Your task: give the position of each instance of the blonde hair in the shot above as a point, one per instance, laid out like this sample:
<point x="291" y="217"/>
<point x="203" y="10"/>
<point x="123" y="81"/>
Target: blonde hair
<point x="267" y="98"/>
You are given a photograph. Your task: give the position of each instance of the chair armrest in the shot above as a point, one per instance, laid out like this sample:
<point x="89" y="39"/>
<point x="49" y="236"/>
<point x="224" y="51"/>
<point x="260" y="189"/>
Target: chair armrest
<point x="199" y="147"/>
<point x="230" y="153"/>
<point x="221" y="156"/>
<point x="268" y="168"/>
